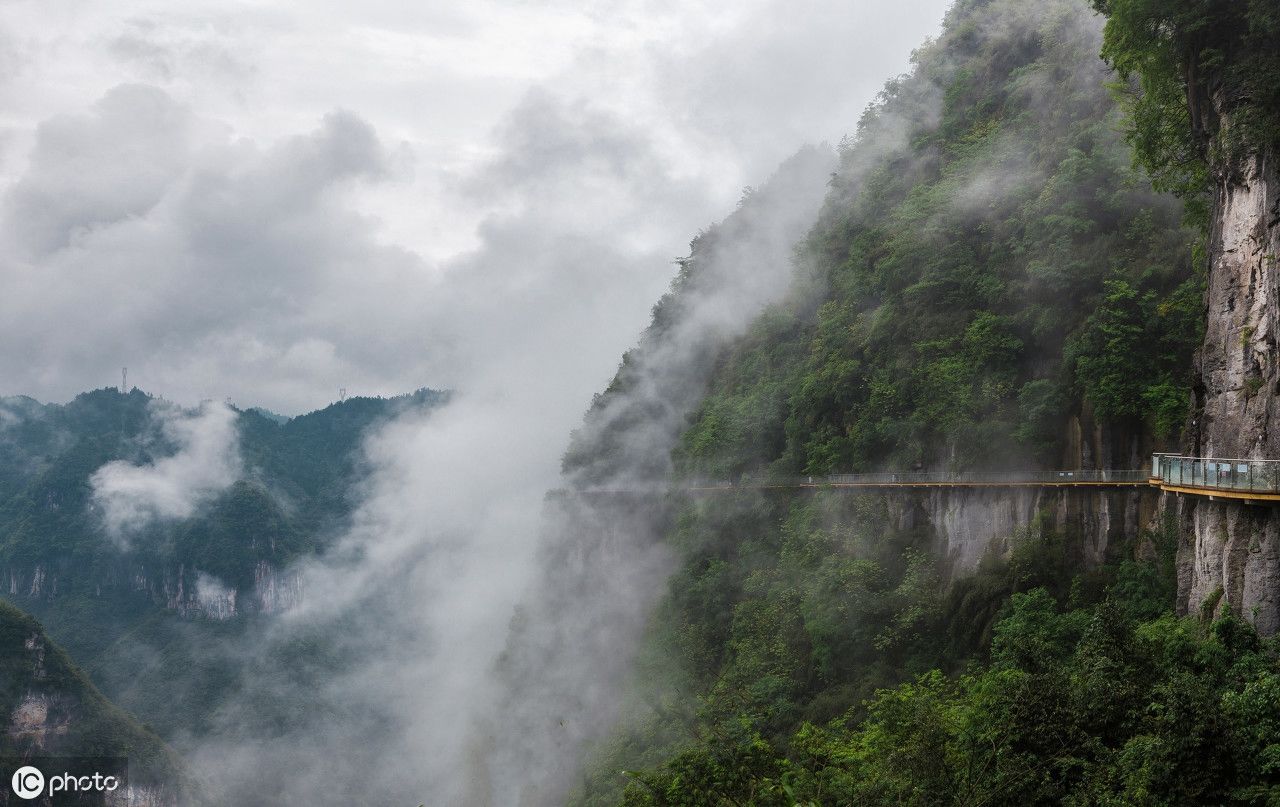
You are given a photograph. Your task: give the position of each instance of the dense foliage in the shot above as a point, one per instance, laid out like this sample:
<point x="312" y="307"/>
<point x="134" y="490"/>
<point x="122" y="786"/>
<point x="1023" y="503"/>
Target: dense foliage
<point x="988" y="265"/>
<point x="1091" y="705"/>
<point x="125" y="612"/>
<point x="1196" y="65"/>
<point x="991" y="277"/>
<point x="790" y="616"/>
<point x="78" y="720"/>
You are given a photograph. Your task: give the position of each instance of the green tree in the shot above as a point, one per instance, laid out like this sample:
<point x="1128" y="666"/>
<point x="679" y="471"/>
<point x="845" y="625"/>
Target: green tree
<point x="1197" y="65"/>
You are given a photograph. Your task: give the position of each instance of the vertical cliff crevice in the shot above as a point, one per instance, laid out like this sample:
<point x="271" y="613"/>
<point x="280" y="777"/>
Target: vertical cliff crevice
<point x="1205" y="121"/>
<point x="1228" y="551"/>
<point x="1237" y="363"/>
<point x="969" y="525"/>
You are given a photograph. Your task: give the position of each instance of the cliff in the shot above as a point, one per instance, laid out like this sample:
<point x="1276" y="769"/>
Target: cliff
<point x="50" y="709"/>
<point x="1230" y="555"/>
<point x="135" y="588"/>
<point x="988" y="285"/>
<point x="969" y="526"/>
<point x="1205" y="116"/>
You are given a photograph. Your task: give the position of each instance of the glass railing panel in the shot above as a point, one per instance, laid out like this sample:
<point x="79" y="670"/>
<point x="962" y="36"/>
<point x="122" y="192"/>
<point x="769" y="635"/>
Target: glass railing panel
<point x="1222" y="474"/>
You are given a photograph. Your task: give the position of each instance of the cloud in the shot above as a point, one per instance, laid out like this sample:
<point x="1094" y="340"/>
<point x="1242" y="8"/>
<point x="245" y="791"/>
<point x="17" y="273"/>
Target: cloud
<point x="496" y="214"/>
<point x="450" y="545"/>
<point x="170" y="191"/>
<point x="166" y="50"/>
<point x="205" y="462"/>
<point x="86" y="171"/>
<point x="423" y="587"/>
<point x="206" y="265"/>
<point x="212" y="267"/>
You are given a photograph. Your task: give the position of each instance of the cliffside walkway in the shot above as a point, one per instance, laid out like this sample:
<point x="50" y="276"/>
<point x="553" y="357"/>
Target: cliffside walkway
<point x="930" y="479"/>
<point x="872" y="481"/>
<point x="1250" y="481"/>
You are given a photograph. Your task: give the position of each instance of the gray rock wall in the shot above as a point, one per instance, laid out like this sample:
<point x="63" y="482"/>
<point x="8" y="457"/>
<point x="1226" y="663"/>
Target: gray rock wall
<point x="1228" y="558"/>
<point x="968" y="524"/>
<point x="188" y="591"/>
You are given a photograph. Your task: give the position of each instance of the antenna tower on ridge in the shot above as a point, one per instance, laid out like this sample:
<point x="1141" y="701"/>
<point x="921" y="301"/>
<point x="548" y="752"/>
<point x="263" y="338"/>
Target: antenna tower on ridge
<point x="124" y="379"/>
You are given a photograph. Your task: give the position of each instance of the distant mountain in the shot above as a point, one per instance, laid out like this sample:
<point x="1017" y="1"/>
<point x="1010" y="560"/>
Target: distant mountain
<point x="139" y="531"/>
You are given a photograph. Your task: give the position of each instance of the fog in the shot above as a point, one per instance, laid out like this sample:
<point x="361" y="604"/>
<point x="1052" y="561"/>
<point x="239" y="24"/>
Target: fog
<point x="231" y="222"/>
<point x="205" y="461"/>
<point x="268" y="204"/>
<point x="485" y="630"/>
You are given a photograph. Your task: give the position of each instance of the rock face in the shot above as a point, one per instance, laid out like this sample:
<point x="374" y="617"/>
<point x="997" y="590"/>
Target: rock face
<point x="190" y="592"/>
<point x="49" y="710"/>
<point x="1238" y="393"/>
<point x="39" y="719"/>
<point x="1229" y="557"/>
<point x="968" y="524"/>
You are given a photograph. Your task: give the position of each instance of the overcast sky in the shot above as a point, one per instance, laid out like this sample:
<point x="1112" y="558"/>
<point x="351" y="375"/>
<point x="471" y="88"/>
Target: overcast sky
<point x="268" y="201"/>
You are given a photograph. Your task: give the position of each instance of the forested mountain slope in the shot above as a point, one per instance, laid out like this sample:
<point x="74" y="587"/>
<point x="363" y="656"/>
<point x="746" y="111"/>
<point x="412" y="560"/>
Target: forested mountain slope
<point x="991" y="284"/>
<point x="142" y="533"/>
<point x="1205" y="105"/>
<point x="51" y="709"/>
<point x="988" y="265"/>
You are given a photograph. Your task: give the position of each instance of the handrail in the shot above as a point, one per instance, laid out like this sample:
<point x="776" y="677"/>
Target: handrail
<point x="903" y="479"/>
<point x="981" y="477"/>
<point x="1237" y="478"/>
<point x="1240" y="460"/>
<point x="1211" y="473"/>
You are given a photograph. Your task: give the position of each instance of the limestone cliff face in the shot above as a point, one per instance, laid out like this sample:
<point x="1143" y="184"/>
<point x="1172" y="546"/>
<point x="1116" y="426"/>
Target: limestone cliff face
<point x="190" y="592"/>
<point x="1238" y="391"/>
<point x="968" y="524"/>
<point x="1229" y="557"/>
<point x="49" y="710"/>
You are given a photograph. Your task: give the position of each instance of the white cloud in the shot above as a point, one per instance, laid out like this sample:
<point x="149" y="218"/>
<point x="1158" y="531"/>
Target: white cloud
<point x="157" y="192"/>
<point x="496" y="212"/>
<point x="206" y="461"/>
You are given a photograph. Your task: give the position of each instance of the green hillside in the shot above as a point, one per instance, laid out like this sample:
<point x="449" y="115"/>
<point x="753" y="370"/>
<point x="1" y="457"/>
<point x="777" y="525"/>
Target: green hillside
<point x="52" y="709"/>
<point x="991" y="278"/>
<point x="146" y="617"/>
<point x="988" y="263"/>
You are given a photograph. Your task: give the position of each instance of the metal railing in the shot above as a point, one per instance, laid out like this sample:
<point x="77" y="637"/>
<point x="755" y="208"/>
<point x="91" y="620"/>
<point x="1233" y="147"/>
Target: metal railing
<point x="1254" y="476"/>
<point x="1170" y="470"/>
<point x="990" y="478"/>
<point x="933" y="478"/>
<point x="884" y="479"/>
